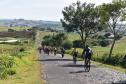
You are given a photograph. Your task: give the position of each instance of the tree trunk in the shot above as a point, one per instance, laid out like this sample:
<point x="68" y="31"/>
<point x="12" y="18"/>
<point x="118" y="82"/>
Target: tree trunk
<point x="110" y="53"/>
<point x="84" y="44"/>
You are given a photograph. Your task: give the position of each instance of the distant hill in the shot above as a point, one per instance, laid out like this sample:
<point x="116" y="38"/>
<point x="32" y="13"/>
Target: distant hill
<point x="30" y="23"/>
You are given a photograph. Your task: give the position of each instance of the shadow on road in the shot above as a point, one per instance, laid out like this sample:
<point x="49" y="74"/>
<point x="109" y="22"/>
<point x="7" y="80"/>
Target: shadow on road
<point x="75" y="65"/>
<point x="55" y="60"/>
<point x="73" y="72"/>
<point x="120" y="82"/>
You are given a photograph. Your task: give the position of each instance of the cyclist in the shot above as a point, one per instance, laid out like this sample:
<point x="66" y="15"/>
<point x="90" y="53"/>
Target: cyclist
<point x="39" y="49"/>
<point x="51" y="50"/>
<point x="62" y="52"/>
<point x="88" y="54"/>
<point x="55" y="50"/>
<point x="74" y="52"/>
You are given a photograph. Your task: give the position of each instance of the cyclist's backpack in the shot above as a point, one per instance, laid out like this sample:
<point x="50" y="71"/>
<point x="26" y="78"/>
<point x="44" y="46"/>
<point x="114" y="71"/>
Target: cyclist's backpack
<point x="90" y="51"/>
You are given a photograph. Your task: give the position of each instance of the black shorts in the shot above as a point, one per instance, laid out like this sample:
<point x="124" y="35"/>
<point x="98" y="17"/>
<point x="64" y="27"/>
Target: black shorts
<point x="88" y="56"/>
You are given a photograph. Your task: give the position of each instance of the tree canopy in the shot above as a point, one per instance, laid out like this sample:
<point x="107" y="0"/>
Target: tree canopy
<point x="82" y="18"/>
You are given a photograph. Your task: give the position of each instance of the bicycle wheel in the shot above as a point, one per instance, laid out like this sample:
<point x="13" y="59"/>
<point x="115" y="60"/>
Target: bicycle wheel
<point x="87" y="67"/>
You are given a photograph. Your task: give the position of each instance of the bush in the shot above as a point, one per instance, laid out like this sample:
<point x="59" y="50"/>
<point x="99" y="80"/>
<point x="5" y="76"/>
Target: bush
<point x="77" y="43"/>
<point x="67" y="45"/>
<point x="118" y="59"/>
<point x="94" y="43"/>
<point x="107" y="35"/>
<point x="22" y="49"/>
<point x="6" y="63"/>
<point x="101" y="37"/>
<point x="118" y="37"/>
<point x="11" y="71"/>
<point x="25" y="42"/>
<point x="11" y="30"/>
<point x="19" y="55"/>
<point x="104" y="42"/>
<point x="16" y="43"/>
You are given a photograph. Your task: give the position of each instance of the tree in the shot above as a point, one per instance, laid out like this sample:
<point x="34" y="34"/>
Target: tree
<point x="59" y="39"/>
<point x="81" y="18"/>
<point x="54" y="40"/>
<point x="111" y="15"/>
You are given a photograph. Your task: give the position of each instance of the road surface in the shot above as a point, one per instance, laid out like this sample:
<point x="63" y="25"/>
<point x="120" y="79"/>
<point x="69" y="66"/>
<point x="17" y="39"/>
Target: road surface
<point x="59" y="70"/>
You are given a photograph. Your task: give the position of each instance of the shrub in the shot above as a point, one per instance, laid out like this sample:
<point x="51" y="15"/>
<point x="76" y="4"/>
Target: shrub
<point x="19" y="55"/>
<point x="101" y="37"/>
<point x="6" y="63"/>
<point x="94" y="43"/>
<point x="16" y="43"/>
<point x="77" y="43"/>
<point x="26" y="42"/>
<point x="11" y="71"/>
<point x="107" y="35"/>
<point x="118" y="37"/>
<point x="67" y="45"/>
<point x="22" y="49"/>
<point x="118" y="59"/>
<point x="104" y="42"/>
<point x="11" y="30"/>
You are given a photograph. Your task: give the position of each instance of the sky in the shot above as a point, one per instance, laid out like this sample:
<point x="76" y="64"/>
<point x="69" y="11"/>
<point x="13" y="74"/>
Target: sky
<point x="49" y="10"/>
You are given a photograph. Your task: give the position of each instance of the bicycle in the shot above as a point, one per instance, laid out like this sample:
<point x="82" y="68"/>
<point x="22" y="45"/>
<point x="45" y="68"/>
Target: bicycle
<point x="87" y="65"/>
<point x="62" y="55"/>
<point x="74" y="59"/>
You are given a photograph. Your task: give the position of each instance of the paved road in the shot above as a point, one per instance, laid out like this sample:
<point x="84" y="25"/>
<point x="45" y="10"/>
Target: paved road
<point x="59" y="70"/>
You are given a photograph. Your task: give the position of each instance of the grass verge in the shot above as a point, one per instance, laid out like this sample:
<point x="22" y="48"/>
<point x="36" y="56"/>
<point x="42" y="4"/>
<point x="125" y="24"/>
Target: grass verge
<point x="27" y="70"/>
<point x="116" y="68"/>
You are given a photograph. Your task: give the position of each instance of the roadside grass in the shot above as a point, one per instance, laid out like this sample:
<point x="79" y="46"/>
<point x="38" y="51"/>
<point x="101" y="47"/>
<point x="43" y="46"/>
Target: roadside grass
<point x="115" y="68"/>
<point x="27" y="70"/>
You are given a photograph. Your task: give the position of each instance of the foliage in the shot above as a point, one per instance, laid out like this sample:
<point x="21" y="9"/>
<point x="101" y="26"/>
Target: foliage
<point x="118" y="60"/>
<point x="101" y="37"/>
<point x="77" y="43"/>
<point x="67" y="44"/>
<point x="55" y="40"/>
<point x="6" y="63"/>
<point x="104" y="42"/>
<point x="11" y="30"/>
<point x="110" y="15"/>
<point x="107" y="35"/>
<point x="81" y="18"/>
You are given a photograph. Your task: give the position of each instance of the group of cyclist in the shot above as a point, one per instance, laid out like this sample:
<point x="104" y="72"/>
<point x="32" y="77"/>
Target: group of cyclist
<point x="47" y="50"/>
<point x="87" y="52"/>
